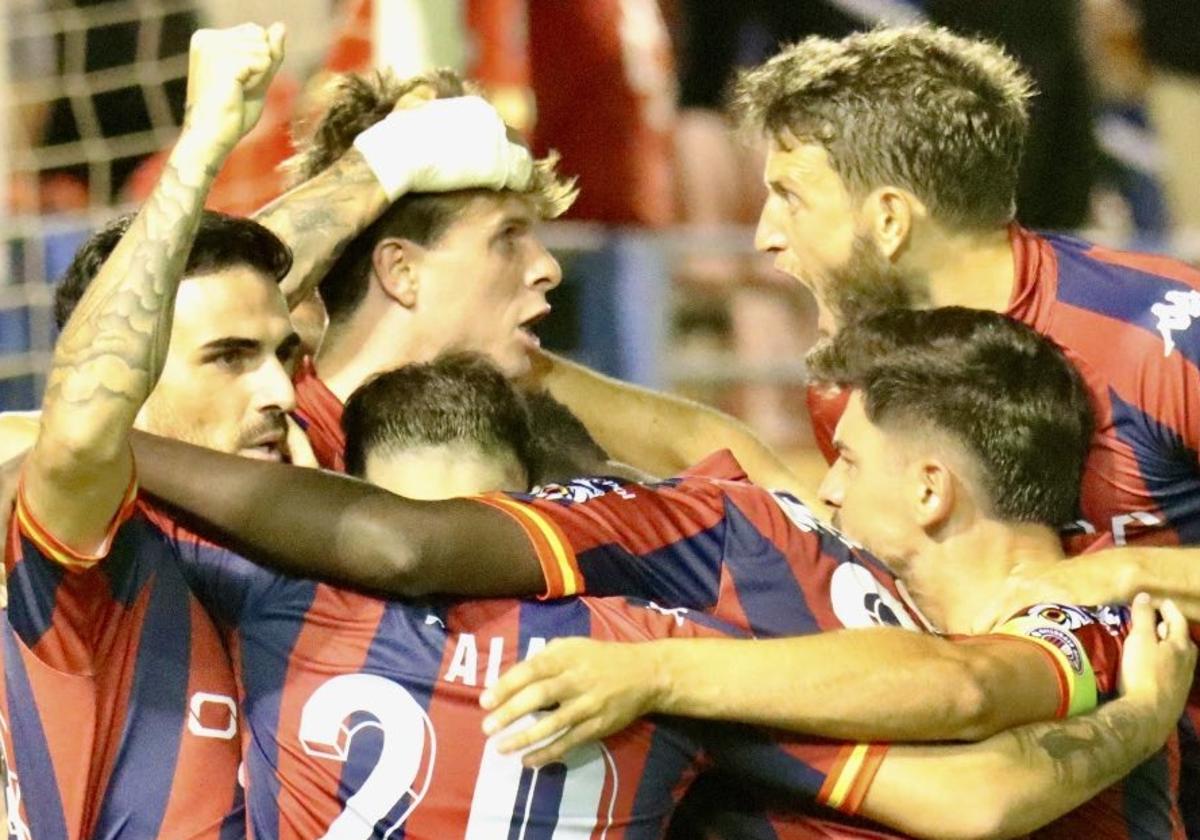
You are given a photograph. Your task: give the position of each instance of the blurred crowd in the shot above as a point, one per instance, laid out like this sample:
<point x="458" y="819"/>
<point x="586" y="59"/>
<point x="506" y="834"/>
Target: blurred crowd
<point x="631" y="94"/>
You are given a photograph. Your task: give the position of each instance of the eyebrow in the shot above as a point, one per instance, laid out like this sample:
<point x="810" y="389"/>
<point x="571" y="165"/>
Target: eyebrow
<point x="230" y="343"/>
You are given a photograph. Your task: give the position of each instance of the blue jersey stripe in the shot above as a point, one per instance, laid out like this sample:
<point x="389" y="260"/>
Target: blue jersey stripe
<point x="685" y="573"/>
<point x="144" y="771"/>
<point x="1173" y="483"/>
<point x="1118" y="291"/>
<point x="404" y="644"/>
<point x="32" y="764"/>
<point x="266" y="647"/>
<point x="672" y="756"/>
<point x="766" y="585"/>
<point x="32" y="593"/>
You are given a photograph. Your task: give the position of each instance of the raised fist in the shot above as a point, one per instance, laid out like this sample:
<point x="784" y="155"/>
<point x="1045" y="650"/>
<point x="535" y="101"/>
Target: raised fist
<point x="228" y="74"/>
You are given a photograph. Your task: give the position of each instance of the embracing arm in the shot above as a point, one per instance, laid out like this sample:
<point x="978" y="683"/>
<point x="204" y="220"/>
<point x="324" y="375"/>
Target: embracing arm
<point x="661" y="433"/>
<point x="877" y="684"/>
<point x="1022" y="779"/>
<point x="1113" y="575"/>
<point x="311" y="523"/>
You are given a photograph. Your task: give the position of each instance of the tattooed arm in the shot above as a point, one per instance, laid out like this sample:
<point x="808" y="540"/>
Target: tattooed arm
<point x="320" y="217"/>
<point x="111" y="352"/>
<point x="1022" y="779"/>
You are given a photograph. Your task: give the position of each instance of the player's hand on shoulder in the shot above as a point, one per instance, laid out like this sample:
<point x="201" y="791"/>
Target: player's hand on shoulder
<point x="229" y="71"/>
<point x="598" y="688"/>
<point x="1159" y="660"/>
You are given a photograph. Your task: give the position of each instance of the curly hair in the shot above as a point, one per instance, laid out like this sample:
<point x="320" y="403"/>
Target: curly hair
<point x="921" y="108"/>
<point x="358" y="103"/>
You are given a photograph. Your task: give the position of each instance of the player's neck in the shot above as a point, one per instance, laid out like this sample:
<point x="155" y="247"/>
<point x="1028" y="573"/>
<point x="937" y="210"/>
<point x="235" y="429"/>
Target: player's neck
<point x="965" y="574"/>
<point x="974" y="269"/>
<point x="361" y="347"/>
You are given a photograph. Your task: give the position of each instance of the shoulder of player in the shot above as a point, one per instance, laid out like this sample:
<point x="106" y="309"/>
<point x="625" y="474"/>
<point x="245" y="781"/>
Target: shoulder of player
<point x="636" y="619"/>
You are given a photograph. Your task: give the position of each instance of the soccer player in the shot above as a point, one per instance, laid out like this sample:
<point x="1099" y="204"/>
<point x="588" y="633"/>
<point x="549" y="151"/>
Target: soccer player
<point x="442" y="269"/>
<point x="102" y="732"/>
<point x="955" y="459"/>
<point x="420" y="667"/>
<point x="881" y="198"/>
<point x="435" y="270"/>
<point x="757" y="558"/>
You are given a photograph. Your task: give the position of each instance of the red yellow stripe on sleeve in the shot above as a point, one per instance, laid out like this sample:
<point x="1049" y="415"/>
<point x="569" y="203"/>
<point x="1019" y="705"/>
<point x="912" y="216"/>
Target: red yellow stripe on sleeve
<point x="1067" y="656"/>
<point x="553" y="549"/>
<point x="62" y="554"/>
<point x="847" y="783"/>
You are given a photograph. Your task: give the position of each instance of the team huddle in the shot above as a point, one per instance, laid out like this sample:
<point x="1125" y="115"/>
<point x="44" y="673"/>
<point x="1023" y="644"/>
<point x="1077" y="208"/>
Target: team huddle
<point x="312" y="539"/>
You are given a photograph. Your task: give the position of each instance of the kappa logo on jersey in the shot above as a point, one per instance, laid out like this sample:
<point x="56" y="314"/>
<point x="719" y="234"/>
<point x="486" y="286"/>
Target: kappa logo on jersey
<point x="1175" y="314"/>
<point x="582" y="490"/>
<point x="860" y="601"/>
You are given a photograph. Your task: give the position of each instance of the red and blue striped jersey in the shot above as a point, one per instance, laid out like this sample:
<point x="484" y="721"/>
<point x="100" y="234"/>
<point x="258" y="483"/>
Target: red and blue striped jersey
<point x="319" y="413"/>
<point x="1126" y="321"/>
<point x="707" y="540"/>
<point x="117" y="694"/>
<point x="363" y="716"/>
<point x="762" y="562"/>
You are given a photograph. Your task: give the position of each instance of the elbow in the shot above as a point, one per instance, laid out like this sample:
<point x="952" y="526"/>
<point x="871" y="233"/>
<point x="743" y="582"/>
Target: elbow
<point x="394" y="565"/>
<point x="972" y="705"/>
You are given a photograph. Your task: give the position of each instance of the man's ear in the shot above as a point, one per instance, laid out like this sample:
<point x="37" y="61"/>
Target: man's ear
<point x="934" y="493"/>
<point x="395" y="262"/>
<point x="892" y="212"/>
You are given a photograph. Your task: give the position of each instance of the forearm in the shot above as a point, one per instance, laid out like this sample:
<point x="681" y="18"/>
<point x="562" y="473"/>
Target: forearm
<point x="1014" y="782"/>
<point x="310" y="523"/>
<point x="319" y="217"/>
<point x="111" y="353"/>
<point x="1120" y="573"/>
<point x="881" y="684"/>
<point x="661" y="433"/>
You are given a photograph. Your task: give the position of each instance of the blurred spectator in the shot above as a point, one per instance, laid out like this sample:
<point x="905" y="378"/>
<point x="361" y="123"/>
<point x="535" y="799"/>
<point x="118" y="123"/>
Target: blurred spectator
<point x="1170" y="35"/>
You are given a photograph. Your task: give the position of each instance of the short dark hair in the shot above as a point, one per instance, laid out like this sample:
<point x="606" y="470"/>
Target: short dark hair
<point x="221" y="241"/>
<point x="563" y="447"/>
<point x="920" y="107"/>
<point x="456" y="398"/>
<point x="361" y="101"/>
<point x="1006" y="394"/>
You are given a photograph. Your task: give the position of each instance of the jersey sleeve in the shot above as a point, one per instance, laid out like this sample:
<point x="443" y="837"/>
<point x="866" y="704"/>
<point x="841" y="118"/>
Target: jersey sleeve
<point x="600" y="536"/>
<point x="66" y="606"/>
<point x="1083" y="640"/>
<point x="829" y="773"/>
<point x="227" y="584"/>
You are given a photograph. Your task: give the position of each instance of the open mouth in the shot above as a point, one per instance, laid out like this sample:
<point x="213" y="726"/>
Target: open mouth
<point x="525" y="328"/>
<point x="270" y="450"/>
